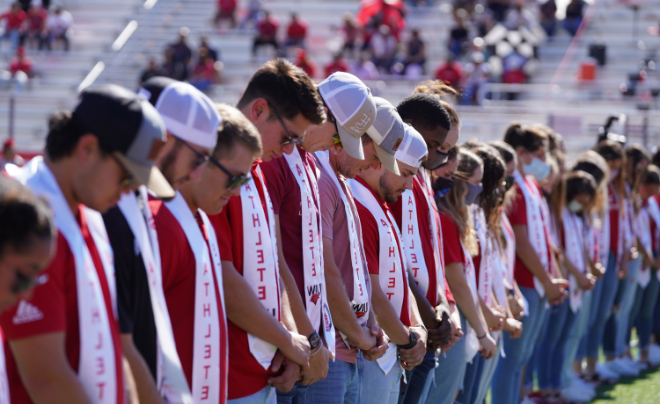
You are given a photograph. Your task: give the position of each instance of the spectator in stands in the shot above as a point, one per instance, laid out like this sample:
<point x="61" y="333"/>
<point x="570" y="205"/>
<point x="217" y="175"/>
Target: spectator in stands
<point x="477" y="73"/>
<point x="450" y="72"/>
<point x="548" y="13"/>
<point x="151" y="71"/>
<point x="513" y="71"/>
<point x="15" y="17"/>
<point x="520" y="16"/>
<point x="204" y="75"/>
<point x="212" y="53"/>
<point x="20" y="70"/>
<point x="296" y="32"/>
<point x="304" y="62"/>
<point x="350" y="31"/>
<point x="459" y="35"/>
<point x="9" y="155"/>
<point x="499" y="8"/>
<point x="383" y="47"/>
<point x="226" y="11"/>
<point x="181" y="55"/>
<point x="365" y="69"/>
<point x="574" y="14"/>
<point x="266" y="33"/>
<point x="253" y="10"/>
<point x="338" y="64"/>
<point x="415" y="52"/>
<point x="35" y="24"/>
<point x="57" y="27"/>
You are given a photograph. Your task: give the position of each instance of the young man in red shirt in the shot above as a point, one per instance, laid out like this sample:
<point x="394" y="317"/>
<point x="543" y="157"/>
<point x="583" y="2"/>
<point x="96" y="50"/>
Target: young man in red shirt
<point x="65" y="340"/>
<point x="296" y="32"/>
<point x="148" y="331"/>
<point x="392" y="301"/>
<point x="266" y="33"/>
<point x="281" y="101"/>
<point x="15" y="17"/>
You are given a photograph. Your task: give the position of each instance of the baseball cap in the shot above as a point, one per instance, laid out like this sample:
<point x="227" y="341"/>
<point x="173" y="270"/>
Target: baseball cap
<point x="412" y="150"/>
<point x="129" y="126"/>
<point x="387" y="133"/>
<point x="352" y="105"/>
<point x="188" y="113"/>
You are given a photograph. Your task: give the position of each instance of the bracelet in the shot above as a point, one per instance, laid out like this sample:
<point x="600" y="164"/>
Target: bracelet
<point x="483" y="336"/>
<point x="317" y="349"/>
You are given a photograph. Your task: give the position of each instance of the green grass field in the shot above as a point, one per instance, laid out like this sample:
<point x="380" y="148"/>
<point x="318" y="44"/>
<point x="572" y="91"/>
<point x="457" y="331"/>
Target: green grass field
<point x="644" y="389"/>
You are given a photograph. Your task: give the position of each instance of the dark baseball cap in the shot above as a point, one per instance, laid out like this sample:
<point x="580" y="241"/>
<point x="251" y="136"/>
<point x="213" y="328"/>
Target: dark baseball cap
<point x="130" y="127"/>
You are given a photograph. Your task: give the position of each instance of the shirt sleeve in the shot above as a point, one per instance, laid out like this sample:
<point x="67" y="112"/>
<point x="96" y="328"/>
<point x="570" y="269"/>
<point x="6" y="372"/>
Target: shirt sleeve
<point x="47" y="313"/>
<point x="275" y="182"/>
<point x="329" y="201"/>
<point x="452" y="241"/>
<point x="370" y="238"/>
<point x="517" y="210"/>
<point x="126" y="255"/>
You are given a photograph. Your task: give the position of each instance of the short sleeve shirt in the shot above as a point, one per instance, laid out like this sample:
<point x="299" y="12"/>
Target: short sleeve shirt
<point x="452" y="240"/>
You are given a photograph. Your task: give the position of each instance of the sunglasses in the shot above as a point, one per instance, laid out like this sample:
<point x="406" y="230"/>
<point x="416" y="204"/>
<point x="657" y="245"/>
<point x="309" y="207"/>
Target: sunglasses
<point x="235" y="181"/>
<point x="24" y="283"/>
<point x="128" y="180"/>
<point x="288" y="139"/>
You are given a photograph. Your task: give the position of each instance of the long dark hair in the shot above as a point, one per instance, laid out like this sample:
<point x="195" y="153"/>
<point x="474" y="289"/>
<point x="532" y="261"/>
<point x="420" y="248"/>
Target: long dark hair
<point x="612" y="151"/>
<point x="572" y="184"/>
<point x="490" y="199"/>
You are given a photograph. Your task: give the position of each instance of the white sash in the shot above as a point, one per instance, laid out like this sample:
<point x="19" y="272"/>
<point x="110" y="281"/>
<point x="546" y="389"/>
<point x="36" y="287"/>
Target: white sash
<point x="644" y="224"/>
<point x="315" y="288"/>
<point x="4" y="384"/>
<point x="485" y="286"/>
<point x="171" y="380"/>
<point x="207" y="352"/>
<point x="535" y="225"/>
<point x="392" y="277"/>
<point x="436" y="230"/>
<point x="412" y="241"/>
<point x="360" y="301"/>
<point x="260" y="265"/>
<point x="96" y="369"/>
<point x="471" y="341"/>
<point x="574" y="248"/>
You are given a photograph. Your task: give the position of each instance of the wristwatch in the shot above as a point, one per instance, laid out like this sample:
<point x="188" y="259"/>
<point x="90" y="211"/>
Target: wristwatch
<point x="412" y="343"/>
<point x="314" y="340"/>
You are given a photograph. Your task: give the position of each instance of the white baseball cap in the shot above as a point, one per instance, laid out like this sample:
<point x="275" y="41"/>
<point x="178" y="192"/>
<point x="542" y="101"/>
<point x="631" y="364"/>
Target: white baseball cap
<point x="387" y="133"/>
<point x="188" y="113"/>
<point x="413" y="150"/>
<point x="352" y="105"/>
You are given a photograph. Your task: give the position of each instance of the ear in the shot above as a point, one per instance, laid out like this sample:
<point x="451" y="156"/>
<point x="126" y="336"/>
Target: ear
<point x="520" y="150"/>
<point x="87" y="147"/>
<point x="196" y="173"/>
<point x="260" y="110"/>
<point x="336" y="149"/>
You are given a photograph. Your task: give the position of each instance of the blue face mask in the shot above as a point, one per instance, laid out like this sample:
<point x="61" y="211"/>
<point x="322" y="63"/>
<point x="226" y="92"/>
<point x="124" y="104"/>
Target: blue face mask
<point x="442" y="186"/>
<point x="473" y="193"/>
<point x="538" y="168"/>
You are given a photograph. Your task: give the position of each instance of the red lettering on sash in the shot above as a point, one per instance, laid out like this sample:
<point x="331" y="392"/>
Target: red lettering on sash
<point x="260" y="257"/>
<point x="410" y="229"/>
<point x="206" y="371"/>
<point x="410" y="212"/>
<point x="414" y="258"/>
<point x="361" y="292"/>
<point x="96" y="316"/>
<point x="207" y="309"/>
<point x="415" y="272"/>
<point x="205" y="393"/>
<point x="261" y="272"/>
<point x="389" y="296"/>
<point x="393" y="267"/>
<point x="255" y="220"/>
<point x="391" y="252"/>
<point x="311" y="235"/>
<point x="312" y="248"/>
<point x="100" y="366"/>
<point x="258" y="238"/>
<point x="313" y="269"/>
<point x="100" y="385"/>
<point x="208" y="335"/>
<point x="207" y="351"/>
<point x="391" y="283"/>
<point x="298" y="170"/>
<point x="206" y="288"/>
<point x="100" y="344"/>
<point x="251" y="200"/>
<point x="261" y="292"/>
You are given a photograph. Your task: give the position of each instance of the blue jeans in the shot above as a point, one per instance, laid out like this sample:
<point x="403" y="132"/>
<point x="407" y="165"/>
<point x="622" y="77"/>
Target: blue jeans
<point x="415" y="389"/>
<point x="551" y="349"/>
<point x="572" y="24"/>
<point x="574" y="337"/>
<point x="506" y="381"/>
<point x="297" y="395"/>
<point x="642" y="312"/>
<point x="471" y="380"/>
<point x="622" y="318"/>
<point x="602" y="307"/>
<point x="341" y="385"/>
<point x="448" y="374"/>
<point x="13" y="36"/>
<point x="487" y="374"/>
<point x="376" y="387"/>
<point x="531" y="366"/>
<point x="265" y="396"/>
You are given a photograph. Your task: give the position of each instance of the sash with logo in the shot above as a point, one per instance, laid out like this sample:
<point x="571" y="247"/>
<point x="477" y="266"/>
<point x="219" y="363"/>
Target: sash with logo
<point x="574" y="248"/>
<point x="170" y="380"/>
<point x="260" y="262"/>
<point x="485" y="286"/>
<point x="392" y="277"/>
<point x="97" y="371"/>
<point x="535" y="224"/>
<point x="315" y="290"/>
<point x="360" y="301"/>
<point x="209" y="358"/>
<point x="413" y="243"/>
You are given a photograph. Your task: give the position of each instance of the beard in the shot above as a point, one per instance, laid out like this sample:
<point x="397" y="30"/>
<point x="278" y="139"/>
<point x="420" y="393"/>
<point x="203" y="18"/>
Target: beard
<point x="390" y="194"/>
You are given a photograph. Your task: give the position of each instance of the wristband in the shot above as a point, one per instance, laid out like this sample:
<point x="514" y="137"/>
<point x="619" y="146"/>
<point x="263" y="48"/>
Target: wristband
<point x="318" y="349"/>
<point x="483" y="336"/>
<point x="411" y="344"/>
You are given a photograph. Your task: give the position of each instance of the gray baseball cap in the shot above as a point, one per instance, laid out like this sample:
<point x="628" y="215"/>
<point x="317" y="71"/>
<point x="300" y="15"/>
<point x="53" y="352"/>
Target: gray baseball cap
<point x="352" y="105"/>
<point x="387" y="133"/>
<point x="413" y="150"/>
<point x="130" y="127"/>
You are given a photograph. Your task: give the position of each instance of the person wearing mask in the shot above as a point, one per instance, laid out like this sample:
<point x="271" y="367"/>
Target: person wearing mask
<point x="93" y="154"/>
<point x="648" y="286"/>
<point x="281" y="101"/>
<point x="459" y="243"/>
<point x="292" y="179"/>
<point x="616" y="261"/>
<point x="572" y="200"/>
<point x="156" y="329"/>
<point x="533" y="270"/>
<point x="416" y="214"/>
